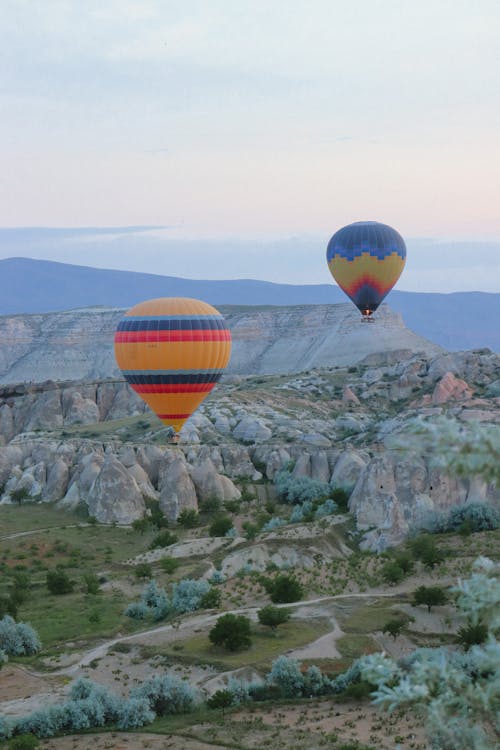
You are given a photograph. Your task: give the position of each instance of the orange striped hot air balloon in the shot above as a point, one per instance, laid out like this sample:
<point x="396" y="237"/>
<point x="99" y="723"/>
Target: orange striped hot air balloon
<point x="172" y="351"/>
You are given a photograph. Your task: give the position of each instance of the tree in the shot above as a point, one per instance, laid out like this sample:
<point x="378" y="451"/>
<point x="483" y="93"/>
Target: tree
<point x="272" y="617"/>
<point x="169" y="564"/>
<point x="431" y="596"/>
<point x="394" y="627"/>
<point x="220" y="526"/>
<point x="221" y="699"/>
<point x="392" y="572"/>
<point x="58" y="582"/>
<point x="188" y="519"/>
<point x="424" y="549"/>
<point x="286" y="589"/>
<point x="141" y="524"/>
<point x="211" y="600"/>
<point x="232" y="632"/>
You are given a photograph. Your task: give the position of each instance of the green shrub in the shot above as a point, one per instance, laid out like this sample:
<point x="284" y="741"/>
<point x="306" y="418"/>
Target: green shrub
<point x="220" y="526"/>
<point x="58" y="582"/>
<point x="232" y="632"/>
<point x="286" y="589"/>
<point x="163" y="539"/>
<point x="169" y="564"/>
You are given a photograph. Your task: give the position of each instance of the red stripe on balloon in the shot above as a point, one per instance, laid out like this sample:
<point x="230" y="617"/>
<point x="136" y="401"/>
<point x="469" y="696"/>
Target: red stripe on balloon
<point x="173" y="416"/>
<point x="354" y="288"/>
<point x="139" y="337"/>
<point x="173" y="387"/>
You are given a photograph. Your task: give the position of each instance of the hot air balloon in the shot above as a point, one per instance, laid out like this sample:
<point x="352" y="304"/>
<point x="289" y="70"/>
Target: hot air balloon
<point x="172" y="351"/>
<point x="366" y="259"/>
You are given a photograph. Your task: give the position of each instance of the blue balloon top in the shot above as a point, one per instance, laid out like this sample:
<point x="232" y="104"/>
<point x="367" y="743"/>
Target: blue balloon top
<point x="379" y="240"/>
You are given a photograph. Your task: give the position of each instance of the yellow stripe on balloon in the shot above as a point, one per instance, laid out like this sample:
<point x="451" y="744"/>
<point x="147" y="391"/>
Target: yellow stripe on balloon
<point x="347" y="272"/>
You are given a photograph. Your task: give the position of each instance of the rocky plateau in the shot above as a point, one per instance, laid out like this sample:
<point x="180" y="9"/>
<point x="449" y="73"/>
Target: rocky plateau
<point x="94" y="445"/>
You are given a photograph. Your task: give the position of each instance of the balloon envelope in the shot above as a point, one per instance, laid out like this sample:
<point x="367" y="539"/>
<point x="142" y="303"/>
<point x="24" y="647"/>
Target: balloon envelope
<point x="366" y="259"/>
<point x="172" y="351"/>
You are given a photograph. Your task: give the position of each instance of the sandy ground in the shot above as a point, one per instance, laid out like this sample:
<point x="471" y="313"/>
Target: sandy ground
<point x="308" y="726"/>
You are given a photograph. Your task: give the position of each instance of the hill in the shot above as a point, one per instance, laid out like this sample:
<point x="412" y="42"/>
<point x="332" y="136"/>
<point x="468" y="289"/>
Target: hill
<point x="461" y="320"/>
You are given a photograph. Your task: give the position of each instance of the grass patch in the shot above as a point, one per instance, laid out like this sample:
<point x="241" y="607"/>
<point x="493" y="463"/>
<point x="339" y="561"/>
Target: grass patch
<point x="265" y="647"/>
<point x="353" y="645"/>
<point x="368" y="618"/>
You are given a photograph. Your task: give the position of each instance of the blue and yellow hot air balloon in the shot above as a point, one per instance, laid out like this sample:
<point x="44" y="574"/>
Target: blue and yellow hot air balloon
<point x="172" y="351"/>
<point x="366" y="259"/>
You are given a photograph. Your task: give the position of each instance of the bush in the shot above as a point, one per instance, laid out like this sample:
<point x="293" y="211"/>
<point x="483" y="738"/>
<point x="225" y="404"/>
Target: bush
<point x="164" y="539"/>
<point x="135" y="713"/>
<point x="473" y="516"/>
<point x="187" y="595"/>
<point x="143" y="570"/>
<point x="18" y="639"/>
<point x="286" y="589"/>
<point x="286" y="675"/>
<point x="154" y="604"/>
<point x="273" y="523"/>
<point x="210" y="505"/>
<point x="299" y="489"/>
<point x="325" y="509"/>
<point x="232" y="632"/>
<point x="91" y="583"/>
<point x="169" y="564"/>
<point x="211" y="600"/>
<point x="340" y="497"/>
<point x="220" y="526"/>
<point x="217" y="577"/>
<point x="166" y="694"/>
<point x="58" y="582"/>
<point x="24" y="742"/>
<point x="472" y="635"/>
<point x="188" y="519"/>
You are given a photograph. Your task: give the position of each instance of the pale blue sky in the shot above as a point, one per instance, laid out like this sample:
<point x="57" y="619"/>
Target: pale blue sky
<point x="249" y="119"/>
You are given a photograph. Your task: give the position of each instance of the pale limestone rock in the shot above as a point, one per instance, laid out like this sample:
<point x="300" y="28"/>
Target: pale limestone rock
<point x="275" y="460"/>
<point x="150" y="457"/>
<point x="137" y="472"/>
<point x="10" y="456"/>
<point x="450" y="388"/>
<point x="177" y="491"/>
<point x="320" y="468"/>
<point x="251" y="430"/>
<point x="237" y="463"/>
<point x="316" y="440"/>
<point x="57" y="480"/>
<point x="114" y="496"/>
<point x="80" y="410"/>
<point x="7" y="427"/>
<point x="347" y="469"/>
<point x="302" y="466"/>
<point x="396" y="493"/>
<point x="349" y="424"/>
<point x="46" y="413"/>
<point x="209" y="483"/>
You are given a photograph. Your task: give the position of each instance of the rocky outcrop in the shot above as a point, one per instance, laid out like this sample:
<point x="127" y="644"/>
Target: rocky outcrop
<point x="114" y="481"/>
<point x="450" y="388"/>
<point x="78" y="344"/>
<point x="209" y="483"/>
<point x="177" y="490"/>
<point x="396" y="493"/>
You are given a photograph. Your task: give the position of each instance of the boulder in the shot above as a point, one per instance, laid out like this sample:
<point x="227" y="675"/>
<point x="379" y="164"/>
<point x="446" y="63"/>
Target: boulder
<point x="114" y="496"/>
<point x="237" y="463"/>
<point x="177" y="491"/>
<point x="347" y="469"/>
<point x="348" y="396"/>
<point x="251" y="430"/>
<point x="450" y="388"/>
<point x="210" y="484"/>
<point x="57" y="480"/>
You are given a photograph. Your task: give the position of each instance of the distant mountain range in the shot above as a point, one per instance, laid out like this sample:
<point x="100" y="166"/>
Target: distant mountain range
<point x="460" y="320"/>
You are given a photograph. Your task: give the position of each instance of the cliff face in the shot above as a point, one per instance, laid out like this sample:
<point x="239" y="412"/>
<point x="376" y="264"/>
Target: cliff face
<point x="78" y="344"/>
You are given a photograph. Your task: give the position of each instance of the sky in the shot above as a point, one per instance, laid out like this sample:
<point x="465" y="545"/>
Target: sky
<point x="245" y="129"/>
